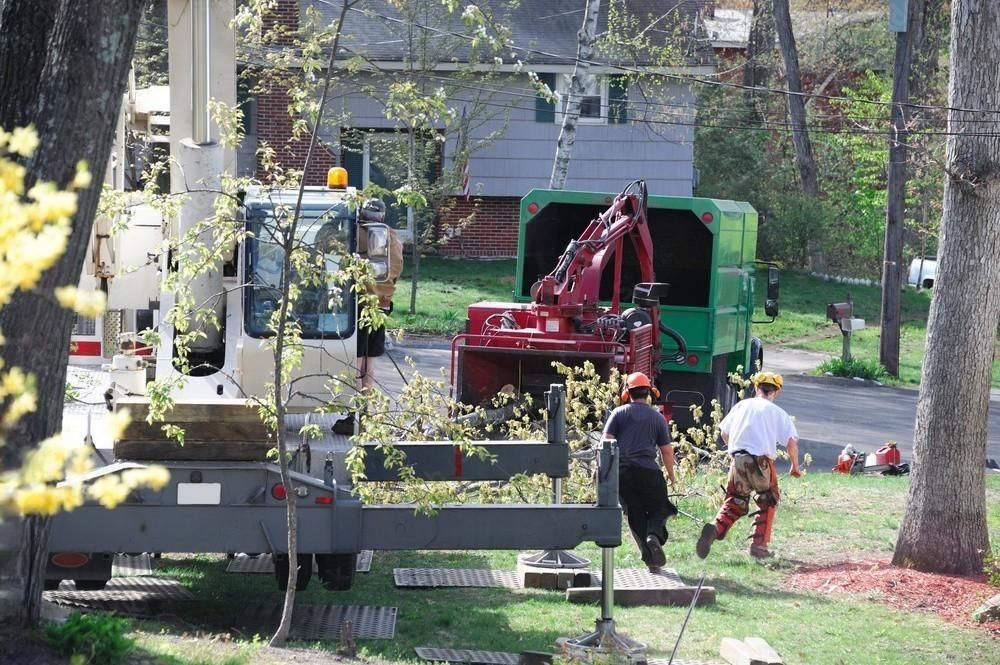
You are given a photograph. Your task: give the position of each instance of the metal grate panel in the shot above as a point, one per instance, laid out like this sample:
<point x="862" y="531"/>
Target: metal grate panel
<point x="641" y="578"/>
<point x="468" y="656"/>
<point x="455" y="577"/>
<point x="679" y="661"/>
<point x="131" y="566"/>
<point x="128" y="595"/>
<point x="263" y="564"/>
<point x="364" y="561"/>
<point x="322" y="622"/>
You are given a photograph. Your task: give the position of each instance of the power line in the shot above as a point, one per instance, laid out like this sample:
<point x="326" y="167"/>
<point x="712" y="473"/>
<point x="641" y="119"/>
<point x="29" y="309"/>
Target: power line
<point x="681" y="77"/>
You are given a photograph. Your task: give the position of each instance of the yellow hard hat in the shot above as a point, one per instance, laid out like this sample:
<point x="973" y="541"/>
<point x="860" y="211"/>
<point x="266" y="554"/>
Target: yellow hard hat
<point x="767" y="377"/>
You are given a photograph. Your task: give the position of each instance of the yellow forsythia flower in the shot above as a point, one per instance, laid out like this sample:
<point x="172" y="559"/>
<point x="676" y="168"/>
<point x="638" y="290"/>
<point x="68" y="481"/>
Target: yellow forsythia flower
<point x="86" y="303"/>
<point x="117" y="422"/>
<point x="82" y="178"/>
<point x="23" y="141"/>
<point x="36" y="500"/>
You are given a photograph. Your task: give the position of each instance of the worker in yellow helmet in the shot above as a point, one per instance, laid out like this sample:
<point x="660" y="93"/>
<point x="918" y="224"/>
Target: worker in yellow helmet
<point x="641" y="432"/>
<point x="751" y="430"/>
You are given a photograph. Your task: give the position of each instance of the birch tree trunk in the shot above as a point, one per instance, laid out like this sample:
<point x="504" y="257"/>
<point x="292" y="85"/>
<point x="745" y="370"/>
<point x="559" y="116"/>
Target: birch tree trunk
<point x="571" y="108"/>
<point x="944" y="527"/>
<point x="805" y="162"/>
<point x="73" y="102"/>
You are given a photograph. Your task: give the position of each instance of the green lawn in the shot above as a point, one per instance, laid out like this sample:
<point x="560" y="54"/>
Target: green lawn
<point x="447" y="287"/>
<point x="824" y="518"/>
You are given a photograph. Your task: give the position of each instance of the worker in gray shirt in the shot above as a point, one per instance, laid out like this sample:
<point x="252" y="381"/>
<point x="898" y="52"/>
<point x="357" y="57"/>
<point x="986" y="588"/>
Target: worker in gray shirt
<point x="641" y="431"/>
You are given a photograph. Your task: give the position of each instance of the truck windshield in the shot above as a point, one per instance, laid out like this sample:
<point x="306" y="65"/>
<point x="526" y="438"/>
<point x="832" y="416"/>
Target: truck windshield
<point x="323" y="309"/>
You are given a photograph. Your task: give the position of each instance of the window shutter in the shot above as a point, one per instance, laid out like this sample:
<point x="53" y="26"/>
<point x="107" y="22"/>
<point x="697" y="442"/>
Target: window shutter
<point x="617" y="99"/>
<point x="545" y="111"/>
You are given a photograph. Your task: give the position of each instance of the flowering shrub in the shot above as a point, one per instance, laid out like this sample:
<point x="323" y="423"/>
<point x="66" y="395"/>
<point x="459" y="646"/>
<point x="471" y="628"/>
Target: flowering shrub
<point x="34" y="231"/>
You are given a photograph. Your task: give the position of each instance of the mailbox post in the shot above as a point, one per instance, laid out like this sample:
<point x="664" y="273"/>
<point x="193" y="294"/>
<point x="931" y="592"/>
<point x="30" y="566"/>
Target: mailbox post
<point x="842" y="313"/>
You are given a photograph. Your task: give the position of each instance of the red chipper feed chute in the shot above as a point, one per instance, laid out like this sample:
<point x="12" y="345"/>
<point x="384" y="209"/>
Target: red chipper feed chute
<point x="516" y="344"/>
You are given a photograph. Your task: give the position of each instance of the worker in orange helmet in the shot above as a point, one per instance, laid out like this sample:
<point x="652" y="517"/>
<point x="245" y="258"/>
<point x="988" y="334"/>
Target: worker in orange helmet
<point x="751" y="430"/>
<point x="641" y="431"/>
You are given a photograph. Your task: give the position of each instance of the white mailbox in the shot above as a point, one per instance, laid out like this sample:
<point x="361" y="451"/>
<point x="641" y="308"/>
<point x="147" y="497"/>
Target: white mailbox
<point x="852" y="325"/>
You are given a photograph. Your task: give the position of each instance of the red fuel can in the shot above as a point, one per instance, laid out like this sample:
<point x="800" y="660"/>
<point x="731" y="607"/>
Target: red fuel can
<point x="888" y="454"/>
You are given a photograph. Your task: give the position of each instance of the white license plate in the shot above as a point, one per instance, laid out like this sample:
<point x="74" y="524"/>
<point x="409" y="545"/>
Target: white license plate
<point x="200" y="494"/>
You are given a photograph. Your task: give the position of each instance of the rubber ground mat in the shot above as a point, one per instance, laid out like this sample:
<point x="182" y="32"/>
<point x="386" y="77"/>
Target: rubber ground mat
<point x="263" y="565"/>
<point x="455" y="577"/>
<point x="468" y="656"/>
<point x="131" y="566"/>
<point x="127" y="595"/>
<point x="321" y="622"/>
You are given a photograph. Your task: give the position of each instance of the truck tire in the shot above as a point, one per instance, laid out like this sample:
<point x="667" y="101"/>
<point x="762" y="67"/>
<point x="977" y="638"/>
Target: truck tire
<point x="756" y="363"/>
<point x="336" y="571"/>
<point x="281" y="571"/>
<point x="723" y="390"/>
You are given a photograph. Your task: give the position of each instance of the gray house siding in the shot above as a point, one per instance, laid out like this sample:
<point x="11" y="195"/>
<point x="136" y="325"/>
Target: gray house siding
<point x="605" y="157"/>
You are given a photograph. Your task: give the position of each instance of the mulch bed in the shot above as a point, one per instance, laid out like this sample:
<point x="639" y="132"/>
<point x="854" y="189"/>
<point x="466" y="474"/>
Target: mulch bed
<point x="953" y="598"/>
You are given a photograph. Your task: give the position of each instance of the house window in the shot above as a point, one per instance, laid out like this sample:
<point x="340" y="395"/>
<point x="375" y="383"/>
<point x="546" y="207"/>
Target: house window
<point x="605" y="99"/>
<point x="593" y="106"/>
<point x="379" y="157"/>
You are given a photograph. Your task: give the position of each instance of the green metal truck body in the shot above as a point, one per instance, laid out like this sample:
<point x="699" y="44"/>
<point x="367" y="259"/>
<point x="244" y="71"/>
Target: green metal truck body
<point x="704" y="248"/>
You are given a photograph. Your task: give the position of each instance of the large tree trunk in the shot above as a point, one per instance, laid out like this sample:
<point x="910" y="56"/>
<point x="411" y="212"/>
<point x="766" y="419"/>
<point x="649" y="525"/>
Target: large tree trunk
<point x="571" y="111"/>
<point x="760" y="53"/>
<point x="805" y="162"/>
<point x="74" y="106"/>
<point x="24" y="35"/>
<point x="944" y="528"/>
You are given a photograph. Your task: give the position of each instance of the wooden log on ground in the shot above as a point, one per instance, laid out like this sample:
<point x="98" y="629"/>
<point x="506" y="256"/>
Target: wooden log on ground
<point x="751" y="651"/>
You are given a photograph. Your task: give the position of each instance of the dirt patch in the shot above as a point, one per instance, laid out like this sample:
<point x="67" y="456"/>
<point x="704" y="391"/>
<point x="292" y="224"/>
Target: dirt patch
<point x="951" y="597"/>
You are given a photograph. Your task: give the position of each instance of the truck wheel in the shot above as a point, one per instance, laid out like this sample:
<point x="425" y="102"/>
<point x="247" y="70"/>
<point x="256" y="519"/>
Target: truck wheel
<point x="90" y="585"/>
<point x="336" y="571"/>
<point x="281" y="571"/>
<point x="756" y="363"/>
<point x="723" y="390"/>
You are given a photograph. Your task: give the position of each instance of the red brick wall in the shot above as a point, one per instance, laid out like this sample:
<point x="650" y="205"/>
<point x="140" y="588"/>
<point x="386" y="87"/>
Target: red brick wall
<point x="274" y="125"/>
<point x="491" y="233"/>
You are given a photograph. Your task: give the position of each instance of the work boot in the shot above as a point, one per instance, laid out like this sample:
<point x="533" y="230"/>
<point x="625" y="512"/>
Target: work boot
<point x="708" y="536"/>
<point x="654" y="570"/>
<point x="760" y="552"/>
<point x="656" y="556"/>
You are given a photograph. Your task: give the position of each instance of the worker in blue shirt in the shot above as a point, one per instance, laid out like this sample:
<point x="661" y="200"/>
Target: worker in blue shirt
<point x="641" y="432"/>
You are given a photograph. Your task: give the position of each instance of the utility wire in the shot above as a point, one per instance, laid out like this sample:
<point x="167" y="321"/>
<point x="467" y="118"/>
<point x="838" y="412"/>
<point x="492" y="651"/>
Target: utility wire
<point x="681" y="77"/>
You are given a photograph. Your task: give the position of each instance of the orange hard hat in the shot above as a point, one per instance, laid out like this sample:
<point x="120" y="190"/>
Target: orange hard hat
<point x="638" y="380"/>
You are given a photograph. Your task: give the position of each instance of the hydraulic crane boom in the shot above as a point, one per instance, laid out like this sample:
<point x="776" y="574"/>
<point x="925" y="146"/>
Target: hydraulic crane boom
<point x="576" y="279"/>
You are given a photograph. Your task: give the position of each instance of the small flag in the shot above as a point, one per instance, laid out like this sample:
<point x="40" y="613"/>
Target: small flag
<point x="462" y="154"/>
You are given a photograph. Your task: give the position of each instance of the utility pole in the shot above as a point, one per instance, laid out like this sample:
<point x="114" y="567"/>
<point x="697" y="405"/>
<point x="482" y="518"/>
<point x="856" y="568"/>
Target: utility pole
<point x="896" y="190"/>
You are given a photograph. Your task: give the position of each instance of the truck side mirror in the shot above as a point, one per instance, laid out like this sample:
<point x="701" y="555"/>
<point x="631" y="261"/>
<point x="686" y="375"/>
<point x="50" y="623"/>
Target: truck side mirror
<point x="773" y="279"/>
<point x="771" y="302"/>
<point x="377" y="237"/>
